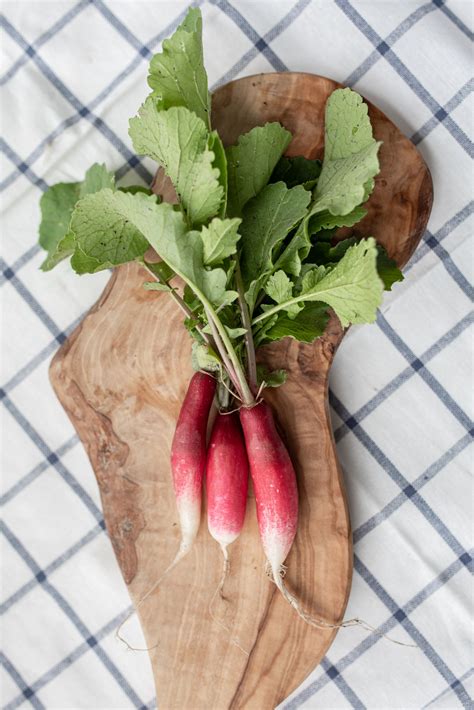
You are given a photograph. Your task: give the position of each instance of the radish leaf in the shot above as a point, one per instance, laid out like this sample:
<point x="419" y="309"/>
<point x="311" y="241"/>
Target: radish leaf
<point x="267" y="219"/>
<point x="280" y="289"/>
<point x="387" y="269"/>
<point x="297" y="171"/>
<point x="204" y="358"/>
<point x="308" y="325"/>
<point x="177" y="75"/>
<point x="178" y="140"/>
<point x="64" y="248"/>
<point x="352" y="288"/>
<point x="251" y="161"/>
<point x="57" y="205"/>
<point x="219" y="240"/>
<point x="105" y="237"/>
<point x="326" y="220"/>
<point x="96" y="178"/>
<point x="350" y="155"/>
<point x="273" y="378"/>
<point x="220" y="162"/>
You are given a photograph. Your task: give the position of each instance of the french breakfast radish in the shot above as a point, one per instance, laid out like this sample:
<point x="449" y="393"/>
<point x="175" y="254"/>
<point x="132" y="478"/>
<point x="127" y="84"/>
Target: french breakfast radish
<point x="276" y="497"/>
<point x="188" y="456"/>
<point x="227" y="474"/>
<point x="188" y="463"/>
<point x="274" y="482"/>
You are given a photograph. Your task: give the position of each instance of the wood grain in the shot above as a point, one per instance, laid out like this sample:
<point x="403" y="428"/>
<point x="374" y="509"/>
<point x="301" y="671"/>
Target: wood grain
<point x="121" y="378"/>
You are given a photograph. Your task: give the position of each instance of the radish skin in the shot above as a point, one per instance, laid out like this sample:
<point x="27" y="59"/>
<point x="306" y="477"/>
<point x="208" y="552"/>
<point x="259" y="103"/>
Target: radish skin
<point x="226" y="480"/>
<point x="276" y="498"/>
<point x="188" y="456"/>
<point x="274" y="482"/>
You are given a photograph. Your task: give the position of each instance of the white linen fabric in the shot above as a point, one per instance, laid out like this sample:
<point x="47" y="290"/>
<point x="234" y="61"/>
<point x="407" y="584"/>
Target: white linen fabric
<point x="73" y="73"/>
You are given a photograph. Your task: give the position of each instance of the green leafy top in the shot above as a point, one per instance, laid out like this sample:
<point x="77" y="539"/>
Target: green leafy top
<point x="352" y="287"/>
<point x="350" y="155"/>
<point x="177" y="75"/>
<point x="104" y="234"/>
<point x="57" y="205"/>
<point x="297" y="171"/>
<point x="179" y="140"/>
<point x="254" y="236"/>
<point x="251" y="162"/>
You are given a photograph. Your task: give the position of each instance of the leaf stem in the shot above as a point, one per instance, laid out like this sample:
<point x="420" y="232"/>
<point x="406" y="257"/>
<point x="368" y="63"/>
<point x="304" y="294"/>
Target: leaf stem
<point x="223" y="354"/>
<point x="228" y="354"/>
<point x="249" y="344"/>
<point x="222" y="341"/>
<point x="279" y="307"/>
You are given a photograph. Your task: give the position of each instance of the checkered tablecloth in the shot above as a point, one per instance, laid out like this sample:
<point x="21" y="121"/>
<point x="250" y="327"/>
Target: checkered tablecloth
<point x="73" y="73"/>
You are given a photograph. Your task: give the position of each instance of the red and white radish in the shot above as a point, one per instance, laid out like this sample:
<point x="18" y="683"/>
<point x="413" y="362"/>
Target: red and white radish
<point x="188" y="463"/>
<point x="188" y="456"/>
<point x="274" y="482"/>
<point x="276" y="496"/>
<point x="227" y="482"/>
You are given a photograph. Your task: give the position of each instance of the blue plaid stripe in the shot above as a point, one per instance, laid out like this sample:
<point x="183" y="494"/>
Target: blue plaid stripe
<point x="38" y="470"/>
<point x="126" y="33"/>
<point x="22" y="167"/>
<point x="449" y="265"/>
<point x="24" y="259"/>
<point x="285" y="22"/>
<point x="454" y="18"/>
<point x="52" y="458"/>
<point x="68" y="660"/>
<point x="403" y="376"/>
<point x="26" y="692"/>
<point x="425" y="374"/>
<point x="385" y="628"/>
<point x="72" y="616"/>
<point x="410" y="79"/>
<point x="82" y="110"/>
<point x="32" y="302"/>
<point x="339" y="680"/>
<point x="42" y="39"/>
<point x="462" y="679"/>
<point x="389" y="41"/>
<point x="261" y="44"/>
<point x="95" y="103"/>
<point x="441" y="234"/>
<point x="39" y="577"/>
<point x="389" y="467"/>
<point x="402" y="616"/>
<point x="46" y="352"/>
<point x="453" y="103"/>
<point x="413" y="487"/>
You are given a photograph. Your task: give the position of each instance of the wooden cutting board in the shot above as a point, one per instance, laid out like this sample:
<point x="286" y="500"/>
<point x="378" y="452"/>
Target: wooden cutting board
<point x="121" y="377"/>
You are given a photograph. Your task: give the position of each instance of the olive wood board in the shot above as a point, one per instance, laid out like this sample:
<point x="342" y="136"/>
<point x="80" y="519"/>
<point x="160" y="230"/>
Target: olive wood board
<point x="121" y="377"/>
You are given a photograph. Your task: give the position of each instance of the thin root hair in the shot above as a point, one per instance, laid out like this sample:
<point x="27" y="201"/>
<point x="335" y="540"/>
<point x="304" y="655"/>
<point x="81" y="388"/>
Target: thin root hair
<point x="118" y="634"/>
<point x="219" y="591"/>
<point x="324" y="624"/>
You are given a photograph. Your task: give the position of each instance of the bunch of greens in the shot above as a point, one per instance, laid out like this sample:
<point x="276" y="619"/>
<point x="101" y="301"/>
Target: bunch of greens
<point x="252" y="237"/>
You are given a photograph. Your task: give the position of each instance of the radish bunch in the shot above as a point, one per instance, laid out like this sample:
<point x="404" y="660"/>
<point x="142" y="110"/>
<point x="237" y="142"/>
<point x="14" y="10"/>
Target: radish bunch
<point x="233" y="446"/>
